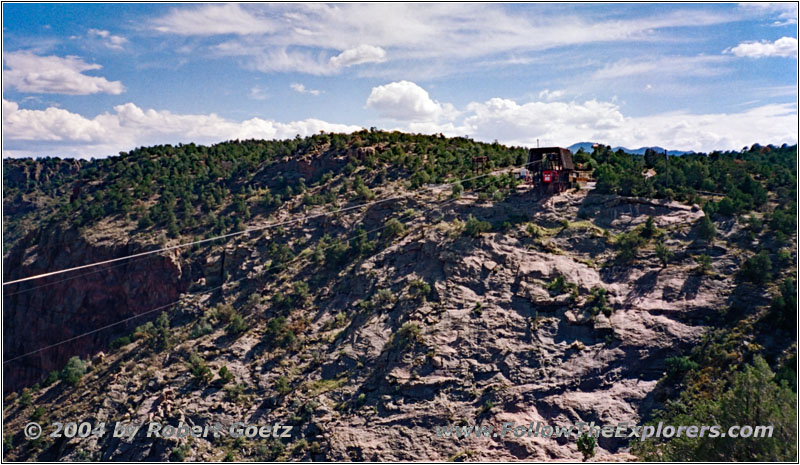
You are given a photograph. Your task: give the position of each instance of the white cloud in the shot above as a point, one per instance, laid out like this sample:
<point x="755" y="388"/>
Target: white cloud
<point x="56" y="131"/>
<point x="280" y="60"/>
<point x="208" y="20"/>
<point x="766" y="124"/>
<point x="59" y="132"/>
<point x="28" y="72"/>
<point x="564" y="123"/>
<point x="358" y="55"/>
<point x="783" y="47"/>
<point x="409" y="34"/>
<point x="547" y="94"/>
<point x="110" y="40"/>
<point x="406" y="101"/>
<point x="52" y="124"/>
<point x="701" y="65"/>
<point x="303" y="59"/>
<point x="257" y="93"/>
<point x="784" y="13"/>
<point x="300" y="88"/>
<point x="507" y="120"/>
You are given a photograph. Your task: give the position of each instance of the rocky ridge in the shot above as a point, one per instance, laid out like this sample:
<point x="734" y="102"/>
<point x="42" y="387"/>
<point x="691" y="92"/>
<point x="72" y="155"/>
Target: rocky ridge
<point x="380" y="364"/>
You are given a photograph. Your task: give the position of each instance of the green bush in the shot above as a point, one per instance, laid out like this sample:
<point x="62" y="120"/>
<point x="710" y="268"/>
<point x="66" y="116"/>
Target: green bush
<point x="201" y="328"/>
<point x="37" y="413"/>
<point x="679" y="366"/>
<point x="419" y="288"/>
<point x="336" y="254"/>
<point x="162" y="338"/>
<point x="586" y="445"/>
<point x="26" y="398"/>
<point x="785" y="257"/>
<point x="282" y="385"/>
<point x="408" y="335"/>
<point x="225" y="375"/>
<point x="237" y="325"/>
<point x="458" y="189"/>
<point x="560" y="285"/>
<point x="598" y="302"/>
<point x="725" y="207"/>
<point x="394" y="228"/>
<point x="235" y="393"/>
<point x="752" y="397"/>
<point x="178" y="453"/>
<point x="706" y="229"/>
<point x="758" y="268"/>
<point x="158" y="335"/>
<point x="628" y="245"/>
<point x="200" y="371"/>
<point x="300" y="294"/>
<point x="52" y="377"/>
<point x="73" y="372"/>
<point x="278" y="334"/>
<point x="784" y="305"/>
<point x="143" y="331"/>
<point x="120" y="342"/>
<point x="534" y="231"/>
<point x="363" y="191"/>
<point x="650" y="231"/>
<point x="475" y="227"/>
<point x="663" y="253"/>
<point x="361" y="243"/>
<point x="784" y="221"/>
<point x="703" y="264"/>
<point x="383" y="297"/>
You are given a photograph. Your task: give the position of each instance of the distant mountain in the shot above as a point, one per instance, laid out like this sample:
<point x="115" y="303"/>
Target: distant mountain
<point x="587" y="147"/>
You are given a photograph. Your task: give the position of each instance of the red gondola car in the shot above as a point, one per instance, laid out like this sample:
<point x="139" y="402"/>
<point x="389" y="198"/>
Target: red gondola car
<point x="551" y="169"/>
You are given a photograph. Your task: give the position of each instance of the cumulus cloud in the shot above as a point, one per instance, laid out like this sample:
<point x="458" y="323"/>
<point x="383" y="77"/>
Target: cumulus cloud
<point x="112" y="41"/>
<point x="301" y="89"/>
<point x="28" y="72"/>
<point x="564" y="123"/>
<point x="229" y="18"/>
<point x="60" y="132"/>
<point x="507" y="120"/>
<point x="783" y="47"/>
<point x="358" y="55"/>
<point x="55" y="131"/>
<point x="406" y="101"/>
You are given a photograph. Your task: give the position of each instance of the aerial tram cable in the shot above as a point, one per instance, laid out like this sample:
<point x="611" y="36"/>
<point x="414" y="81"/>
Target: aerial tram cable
<point x="208" y="291"/>
<point x="247" y="231"/>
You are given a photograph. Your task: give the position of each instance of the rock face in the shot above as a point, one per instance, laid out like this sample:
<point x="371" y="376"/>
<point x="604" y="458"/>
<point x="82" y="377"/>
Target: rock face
<point x="69" y="305"/>
<point x="16" y="174"/>
<point x="497" y="337"/>
<point x="380" y="365"/>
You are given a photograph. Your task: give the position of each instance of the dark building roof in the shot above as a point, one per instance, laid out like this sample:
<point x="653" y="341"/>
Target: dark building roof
<point x="539" y="153"/>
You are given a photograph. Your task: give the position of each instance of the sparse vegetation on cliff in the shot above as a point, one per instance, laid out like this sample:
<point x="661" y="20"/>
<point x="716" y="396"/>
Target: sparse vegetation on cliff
<point x="389" y="311"/>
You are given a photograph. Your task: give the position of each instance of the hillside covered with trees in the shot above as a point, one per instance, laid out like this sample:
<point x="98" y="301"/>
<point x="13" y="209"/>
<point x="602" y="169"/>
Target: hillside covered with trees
<point x="350" y="316"/>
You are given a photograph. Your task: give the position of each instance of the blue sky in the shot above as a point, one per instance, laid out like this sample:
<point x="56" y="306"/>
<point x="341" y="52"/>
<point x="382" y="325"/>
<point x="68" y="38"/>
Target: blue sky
<point x="87" y="80"/>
